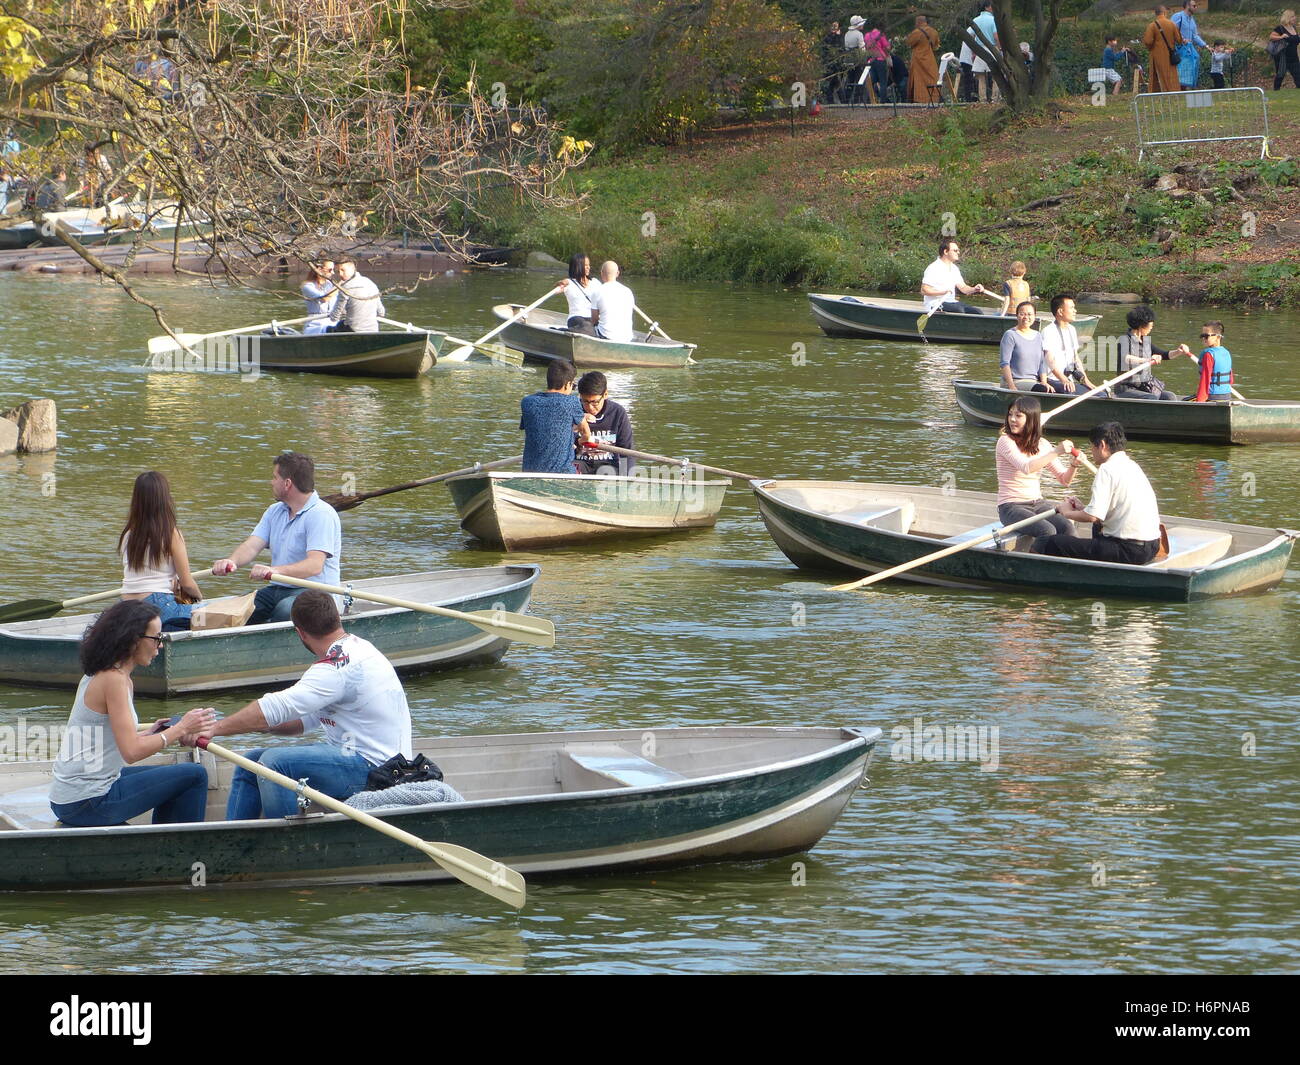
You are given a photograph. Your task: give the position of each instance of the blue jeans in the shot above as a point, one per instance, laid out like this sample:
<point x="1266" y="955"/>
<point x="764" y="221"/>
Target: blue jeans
<point x="175" y="616"/>
<point x="174" y="793"/>
<point x="273" y="603"/>
<point x="327" y="768"/>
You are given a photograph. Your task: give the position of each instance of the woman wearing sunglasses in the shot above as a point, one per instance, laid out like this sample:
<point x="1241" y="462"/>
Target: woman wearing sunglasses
<point x="96" y="781"/>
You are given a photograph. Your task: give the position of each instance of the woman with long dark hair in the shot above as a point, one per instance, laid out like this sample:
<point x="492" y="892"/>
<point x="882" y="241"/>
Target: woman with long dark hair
<point x="580" y="290"/>
<point x="155" y="565"/>
<point x="95" y="779"/>
<point x="1021" y="456"/>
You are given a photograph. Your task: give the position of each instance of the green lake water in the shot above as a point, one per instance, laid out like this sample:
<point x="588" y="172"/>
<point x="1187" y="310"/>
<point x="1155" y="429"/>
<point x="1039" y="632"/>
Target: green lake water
<point x="1128" y="827"/>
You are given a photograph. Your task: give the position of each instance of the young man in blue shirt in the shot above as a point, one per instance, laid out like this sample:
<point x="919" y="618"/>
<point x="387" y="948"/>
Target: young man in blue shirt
<point x="548" y="420"/>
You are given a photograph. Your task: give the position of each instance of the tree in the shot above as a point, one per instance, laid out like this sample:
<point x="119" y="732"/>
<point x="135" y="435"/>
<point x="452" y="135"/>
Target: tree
<point x="282" y="124"/>
<point x="1020" y="91"/>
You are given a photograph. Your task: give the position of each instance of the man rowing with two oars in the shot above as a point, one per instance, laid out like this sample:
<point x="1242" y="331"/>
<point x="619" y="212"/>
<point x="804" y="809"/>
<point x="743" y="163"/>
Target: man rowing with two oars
<point x="942" y="281"/>
<point x="351" y="692"/>
<point x="303" y="533"/>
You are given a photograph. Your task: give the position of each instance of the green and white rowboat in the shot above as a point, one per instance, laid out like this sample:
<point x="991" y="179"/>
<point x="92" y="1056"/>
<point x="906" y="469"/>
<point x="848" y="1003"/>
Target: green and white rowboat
<point x="45" y="652"/>
<point x="522" y="511"/>
<point x="886" y="319"/>
<point x="387" y="353"/>
<point x="1260" y="421"/>
<point x="543" y="803"/>
<point x="865" y="528"/>
<point x="545" y="335"/>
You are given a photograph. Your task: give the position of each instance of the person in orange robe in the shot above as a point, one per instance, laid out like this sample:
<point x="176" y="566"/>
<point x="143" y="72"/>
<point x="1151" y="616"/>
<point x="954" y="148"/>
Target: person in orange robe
<point x="923" y="72"/>
<point x="1162" y="39"/>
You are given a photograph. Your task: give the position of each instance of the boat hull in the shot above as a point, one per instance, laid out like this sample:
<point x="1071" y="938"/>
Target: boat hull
<point x="384" y="354"/>
<point x="883" y="319"/>
<point x="520" y="511"/>
<point x="1258" y="422"/>
<point x="813" y="537"/>
<point x="727" y="807"/>
<point x="45" y="653"/>
<point x="542" y="335"/>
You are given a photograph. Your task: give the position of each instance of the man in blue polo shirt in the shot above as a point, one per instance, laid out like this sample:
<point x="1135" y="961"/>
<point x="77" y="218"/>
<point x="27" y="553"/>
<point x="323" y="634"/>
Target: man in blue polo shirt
<point x="303" y="533"/>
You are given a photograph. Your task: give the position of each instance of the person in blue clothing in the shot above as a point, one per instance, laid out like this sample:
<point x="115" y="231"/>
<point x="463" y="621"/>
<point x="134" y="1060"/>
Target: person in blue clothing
<point x="1215" y="361"/>
<point x="1189" y="59"/>
<point x="303" y="533"/>
<point x="548" y="420"/>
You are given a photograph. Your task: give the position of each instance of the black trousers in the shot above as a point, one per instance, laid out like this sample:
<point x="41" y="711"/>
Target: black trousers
<point x="1283" y="68"/>
<point x="1099" y="547"/>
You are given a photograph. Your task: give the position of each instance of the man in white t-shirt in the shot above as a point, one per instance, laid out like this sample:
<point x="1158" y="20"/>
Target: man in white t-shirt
<point x="1123" y="511"/>
<point x="942" y="281"/>
<point x="1061" y="350"/>
<point x="352" y="693"/>
<point x="612" y="306"/>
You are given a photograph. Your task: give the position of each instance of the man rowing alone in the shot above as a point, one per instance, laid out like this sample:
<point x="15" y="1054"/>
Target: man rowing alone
<point x="351" y="692"/>
<point x="942" y="281"/>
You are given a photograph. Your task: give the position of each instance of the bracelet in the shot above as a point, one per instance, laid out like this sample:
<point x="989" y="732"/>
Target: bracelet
<point x="162" y="734"/>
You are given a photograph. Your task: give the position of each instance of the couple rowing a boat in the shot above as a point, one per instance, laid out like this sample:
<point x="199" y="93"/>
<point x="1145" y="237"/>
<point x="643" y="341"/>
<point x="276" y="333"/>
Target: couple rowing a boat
<point x="601" y="308"/>
<point x="340" y="300"/>
<point x="554" y="421"/>
<point x="1123" y="511"/>
<point x="303" y="533"/>
<point x="351" y="692"/>
<point x="1047" y="360"/>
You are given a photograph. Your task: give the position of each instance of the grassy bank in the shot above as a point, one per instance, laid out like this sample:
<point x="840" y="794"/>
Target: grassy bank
<point x="856" y="205"/>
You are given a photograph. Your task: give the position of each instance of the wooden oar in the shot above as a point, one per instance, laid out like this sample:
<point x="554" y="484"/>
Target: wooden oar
<point x="654" y="326"/>
<point x="493" y="878"/>
<point x="597" y="445"/>
<point x="503" y="624"/>
<point x="158" y="345"/>
<point x="496" y="352"/>
<point x="461" y="354"/>
<point x="1049" y="414"/>
<point x="343" y="501"/>
<point x="35" y="609"/>
<point x="954" y="549"/>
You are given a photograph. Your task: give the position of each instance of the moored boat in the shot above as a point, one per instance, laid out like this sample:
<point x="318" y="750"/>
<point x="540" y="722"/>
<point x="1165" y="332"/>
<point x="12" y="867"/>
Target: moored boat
<point x="540" y="803"/>
<point x="519" y="511"/>
<point x="545" y="335"/>
<point x="1259" y="421"/>
<point x="889" y="319"/>
<point x="865" y="528"/>
<point x="45" y="652"/>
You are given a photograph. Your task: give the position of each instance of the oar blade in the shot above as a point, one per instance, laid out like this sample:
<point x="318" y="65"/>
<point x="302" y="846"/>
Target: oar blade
<point x="163" y="344"/>
<point x="522" y="628"/>
<point x="459" y="354"/>
<point x="478" y="871"/>
<point x="30" y="610"/>
<point x="341" y="501"/>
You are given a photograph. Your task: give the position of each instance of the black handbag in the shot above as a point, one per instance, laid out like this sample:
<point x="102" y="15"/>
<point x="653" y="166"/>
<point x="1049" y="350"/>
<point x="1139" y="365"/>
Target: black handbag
<point x="402" y="770"/>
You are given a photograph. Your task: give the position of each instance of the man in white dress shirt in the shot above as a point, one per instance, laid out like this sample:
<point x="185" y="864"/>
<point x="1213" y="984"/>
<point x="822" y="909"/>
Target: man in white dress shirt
<point x="612" y="306"/>
<point x="1123" y="511"/>
<point x="942" y="281"/>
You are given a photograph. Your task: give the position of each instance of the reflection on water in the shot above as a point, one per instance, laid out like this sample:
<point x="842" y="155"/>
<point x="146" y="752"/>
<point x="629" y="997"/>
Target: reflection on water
<point x="1120" y="734"/>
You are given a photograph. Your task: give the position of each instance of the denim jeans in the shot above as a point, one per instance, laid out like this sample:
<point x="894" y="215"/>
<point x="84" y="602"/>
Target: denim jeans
<point x="1052" y="523"/>
<point x="175" y="616"/>
<point x="273" y="603"/>
<point x="327" y="768"/>
<point x="174" y="793"/>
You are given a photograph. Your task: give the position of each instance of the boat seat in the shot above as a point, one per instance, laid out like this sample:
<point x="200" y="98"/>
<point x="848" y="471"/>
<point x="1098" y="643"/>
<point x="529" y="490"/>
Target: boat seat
<point x="1004" y="543"/>
<point x="1190" y="548"/>
<point x="29" y="809"/>
<point x="600" y="767"/>
<point x="896" y="518"/>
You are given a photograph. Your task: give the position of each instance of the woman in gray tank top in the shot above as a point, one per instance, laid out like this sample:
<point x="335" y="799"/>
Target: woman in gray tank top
<point x="95" y="780"/>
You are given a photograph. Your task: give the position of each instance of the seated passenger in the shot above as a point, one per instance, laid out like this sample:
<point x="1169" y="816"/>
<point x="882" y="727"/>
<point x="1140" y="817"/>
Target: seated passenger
<point x="1135" y="349"/>
<point x="548" y="419"/>
<point x="1216" y="367"/>
<point x="96" y="781"/>
<point x="1024" y="366"/>
<point x="608" y="423"/>
<point x="1022" y="455"/>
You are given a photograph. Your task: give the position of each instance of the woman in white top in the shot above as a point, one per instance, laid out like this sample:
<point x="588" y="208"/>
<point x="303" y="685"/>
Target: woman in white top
<point x="580" y="290"/>
<point x="320" y="295"/>
<point x="1021" y="456"/>
<point x="95" y="780"/>
<point x="155" y="565"/>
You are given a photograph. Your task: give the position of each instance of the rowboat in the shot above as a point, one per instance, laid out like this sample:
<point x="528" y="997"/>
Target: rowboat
<point x="546" y="802"/>
<point x="545" y="335"/>
<point x="387" y="353"/>
<point x="885" y="319"/>
<point x="865" y="528"/>
<point x="1260" y="421"/>
<point x="521" y="511"/>
<point x="45" y="652"/>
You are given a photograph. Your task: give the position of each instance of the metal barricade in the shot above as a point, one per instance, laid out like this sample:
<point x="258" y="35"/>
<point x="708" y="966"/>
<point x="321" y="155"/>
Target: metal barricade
<point x="1201" y="116"/>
